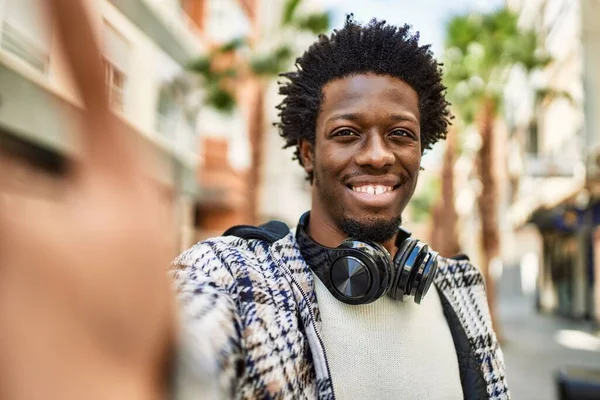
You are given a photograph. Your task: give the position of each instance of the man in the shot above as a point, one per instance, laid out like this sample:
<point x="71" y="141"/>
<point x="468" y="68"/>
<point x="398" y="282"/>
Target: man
<point x="362" y="107"/>
<point x="85" y="304"/>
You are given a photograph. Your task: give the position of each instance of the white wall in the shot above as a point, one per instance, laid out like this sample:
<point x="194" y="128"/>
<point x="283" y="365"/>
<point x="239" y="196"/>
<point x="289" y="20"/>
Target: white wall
<point x="591" y="43"/>
<point x="560" y="122"/>
<point x="144" y="71"/>
<point x="142" y="91"/>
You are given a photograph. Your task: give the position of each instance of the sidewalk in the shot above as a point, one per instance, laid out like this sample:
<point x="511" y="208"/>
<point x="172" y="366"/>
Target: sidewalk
<point x="531" y="350"/>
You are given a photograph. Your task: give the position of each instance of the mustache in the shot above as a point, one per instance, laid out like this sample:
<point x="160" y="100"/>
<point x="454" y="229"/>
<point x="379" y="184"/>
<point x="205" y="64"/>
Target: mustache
<point x="403" y="177"/>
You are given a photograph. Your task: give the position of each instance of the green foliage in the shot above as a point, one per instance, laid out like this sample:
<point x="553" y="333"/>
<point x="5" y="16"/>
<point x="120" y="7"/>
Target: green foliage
<point x="289" y="11"/>
<point x="480" y="49"/>
<point x="232" y="45"/>
<point x="272" y="63"/>
<point x="220" y="99"/>
<point x="216" y="97"/>
<point x="283" y="53"/>
<point x="525" y="50"/>
<point x="462" y="30"/>
<point x="266" y="64"/>
<point x="200" y="65"/>
<point x="424" y="200"/>
<point x="550" y="94"/>
<point x="314" y="23"/>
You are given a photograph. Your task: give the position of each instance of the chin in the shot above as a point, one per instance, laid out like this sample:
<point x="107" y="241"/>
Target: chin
<point x="374" y="228"/>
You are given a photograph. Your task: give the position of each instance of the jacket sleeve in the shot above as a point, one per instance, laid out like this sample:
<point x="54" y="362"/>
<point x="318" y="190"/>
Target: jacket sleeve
<point x="209" y="356"/>
<point x="464" y="300"/>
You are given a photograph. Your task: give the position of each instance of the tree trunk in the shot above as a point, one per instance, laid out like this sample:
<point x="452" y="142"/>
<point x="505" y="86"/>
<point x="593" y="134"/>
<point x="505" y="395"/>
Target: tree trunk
<point x="488" y="203"/>
<point x="444" y="227"/>
<point x="256" y="117"/>
<point x="256" y="136"/>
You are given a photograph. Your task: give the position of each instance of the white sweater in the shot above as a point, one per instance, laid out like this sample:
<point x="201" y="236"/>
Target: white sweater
<point x="389" y="349"/>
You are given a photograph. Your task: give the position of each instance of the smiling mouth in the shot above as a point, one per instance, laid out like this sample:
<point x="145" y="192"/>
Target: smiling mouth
<point x="374" y="196"/>
<point x="373" y="189"/>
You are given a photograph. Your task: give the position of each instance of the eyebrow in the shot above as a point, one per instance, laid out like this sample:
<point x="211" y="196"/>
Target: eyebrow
<point x="358" y="116"/>
<point x="399" y="118"/>
<point x="350" y="117"/>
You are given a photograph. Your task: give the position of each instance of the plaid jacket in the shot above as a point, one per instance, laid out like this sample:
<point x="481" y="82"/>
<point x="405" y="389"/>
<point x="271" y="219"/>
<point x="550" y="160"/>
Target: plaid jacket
<point x="253" y="324"/>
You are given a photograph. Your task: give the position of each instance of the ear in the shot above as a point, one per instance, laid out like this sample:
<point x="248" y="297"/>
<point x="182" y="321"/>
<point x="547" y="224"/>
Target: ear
<point x="306" y="155"/>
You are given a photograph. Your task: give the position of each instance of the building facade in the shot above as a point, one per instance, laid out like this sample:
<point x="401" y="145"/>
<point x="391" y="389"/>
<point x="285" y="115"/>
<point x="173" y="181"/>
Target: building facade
<point x="551" y="176"/>
<point x="228" y="139"/>
<point x="146" y="45"/>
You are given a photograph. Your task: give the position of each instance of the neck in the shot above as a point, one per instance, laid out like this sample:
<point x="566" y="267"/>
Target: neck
<point x="323" y="230"/>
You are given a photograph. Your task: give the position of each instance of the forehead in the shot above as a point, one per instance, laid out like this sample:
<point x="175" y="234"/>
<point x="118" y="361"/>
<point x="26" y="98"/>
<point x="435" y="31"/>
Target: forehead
<point x="367" y="91"/>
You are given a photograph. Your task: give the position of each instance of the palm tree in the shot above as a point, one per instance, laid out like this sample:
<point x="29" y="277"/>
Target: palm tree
<point x="480" y="51"/>
<point x="444" y="221"/>
<point x="241" y="64"/>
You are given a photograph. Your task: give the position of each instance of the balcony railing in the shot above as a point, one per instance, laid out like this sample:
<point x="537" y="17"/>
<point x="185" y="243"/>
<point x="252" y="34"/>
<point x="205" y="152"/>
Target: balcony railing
<point x="178" y="133"/>
<point x="25" y="48"/>
<point x="166" y="126"/>
<point x="547" y="166"/>
<point x="176" y="19"/>
<point x="115" y="96"/>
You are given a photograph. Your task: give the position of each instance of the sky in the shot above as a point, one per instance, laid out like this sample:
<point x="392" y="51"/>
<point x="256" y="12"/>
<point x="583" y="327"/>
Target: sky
<point x="426" y="16"/>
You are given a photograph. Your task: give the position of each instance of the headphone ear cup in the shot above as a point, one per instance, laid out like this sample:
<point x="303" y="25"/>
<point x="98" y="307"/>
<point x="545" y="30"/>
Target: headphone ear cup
<point x="419" y="270"/>
<point x="386" y="266"/>
<point x="402" y="272"/>
<point x="429" y="272"/>
<point x="360" y="273"/>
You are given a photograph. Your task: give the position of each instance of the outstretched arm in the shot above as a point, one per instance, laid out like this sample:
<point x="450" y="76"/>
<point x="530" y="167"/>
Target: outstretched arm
<point x="86" y="306"/>
<point x="211" y="355"/>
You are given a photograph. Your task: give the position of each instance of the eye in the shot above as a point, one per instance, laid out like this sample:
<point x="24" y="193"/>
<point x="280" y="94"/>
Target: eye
<point x="403" y="133"/>
<point x="344" y="132"/>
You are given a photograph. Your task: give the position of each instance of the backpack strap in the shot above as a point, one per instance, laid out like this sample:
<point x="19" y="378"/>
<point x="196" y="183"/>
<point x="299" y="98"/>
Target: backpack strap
<point x="460" y="257"/>
<point x="270" y="232"/>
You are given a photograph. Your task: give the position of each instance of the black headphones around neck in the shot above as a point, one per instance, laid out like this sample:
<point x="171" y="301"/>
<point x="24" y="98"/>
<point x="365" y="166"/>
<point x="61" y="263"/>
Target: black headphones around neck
<point x="358" y="272"/>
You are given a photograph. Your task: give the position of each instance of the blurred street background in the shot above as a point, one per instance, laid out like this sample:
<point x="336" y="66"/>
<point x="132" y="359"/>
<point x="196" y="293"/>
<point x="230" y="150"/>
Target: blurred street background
<point x="516" y="185"/>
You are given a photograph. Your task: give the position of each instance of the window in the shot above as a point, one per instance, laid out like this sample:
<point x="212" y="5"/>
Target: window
<point x="166" y="112"/>
<point x="532" y="138"/>
<point x="116" y="64"/>
<point x="115" y="85"/>
<point x="26" y="32"/>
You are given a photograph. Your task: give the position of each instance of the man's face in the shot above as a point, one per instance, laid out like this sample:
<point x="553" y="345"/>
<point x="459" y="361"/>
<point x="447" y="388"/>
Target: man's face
<point x="366" y="155"/>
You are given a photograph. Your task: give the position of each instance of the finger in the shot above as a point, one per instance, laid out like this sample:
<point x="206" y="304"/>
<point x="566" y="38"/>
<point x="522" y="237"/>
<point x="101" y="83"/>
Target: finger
<point x="106" y="142"/>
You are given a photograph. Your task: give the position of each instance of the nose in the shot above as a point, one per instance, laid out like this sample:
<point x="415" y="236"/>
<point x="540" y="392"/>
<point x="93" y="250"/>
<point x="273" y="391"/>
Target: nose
<point x="375" y="153"/>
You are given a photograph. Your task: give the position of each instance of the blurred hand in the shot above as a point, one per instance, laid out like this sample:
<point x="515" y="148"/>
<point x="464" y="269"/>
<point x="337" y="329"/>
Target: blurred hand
<point x="86" y="309"/>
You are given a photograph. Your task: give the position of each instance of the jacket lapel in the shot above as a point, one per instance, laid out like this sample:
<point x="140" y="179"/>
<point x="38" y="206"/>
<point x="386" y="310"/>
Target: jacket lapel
<point x="287" y="256"/>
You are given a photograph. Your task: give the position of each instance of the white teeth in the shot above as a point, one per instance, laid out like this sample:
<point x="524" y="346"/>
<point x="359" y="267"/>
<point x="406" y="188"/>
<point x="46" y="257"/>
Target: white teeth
<point x="372" y="189"/>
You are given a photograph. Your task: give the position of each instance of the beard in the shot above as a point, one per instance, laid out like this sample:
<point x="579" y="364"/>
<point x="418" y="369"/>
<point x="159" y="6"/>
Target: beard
<point x="371" y="229"/>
